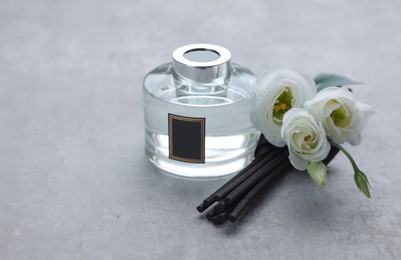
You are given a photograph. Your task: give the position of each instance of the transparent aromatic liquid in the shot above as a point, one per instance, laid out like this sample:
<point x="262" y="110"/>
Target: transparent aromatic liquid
<point x="230" y="138"/>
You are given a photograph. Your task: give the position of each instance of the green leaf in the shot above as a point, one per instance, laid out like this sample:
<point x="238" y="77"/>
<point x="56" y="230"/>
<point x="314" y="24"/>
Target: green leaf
<point x="332" y="80"/>
<point x="362" y="183"/>
<point x="318" y="172"/>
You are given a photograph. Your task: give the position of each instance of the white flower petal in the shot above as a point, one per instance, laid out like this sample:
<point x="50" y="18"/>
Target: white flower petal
<point x="366" y="111"/>
<point x="298" y="162"/>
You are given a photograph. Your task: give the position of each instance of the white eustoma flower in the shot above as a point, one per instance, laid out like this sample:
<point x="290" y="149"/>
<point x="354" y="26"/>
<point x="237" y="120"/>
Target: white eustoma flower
<point x="276" y="93"/>
<point x="342" y="116"/>
<point x="305" y="138"/>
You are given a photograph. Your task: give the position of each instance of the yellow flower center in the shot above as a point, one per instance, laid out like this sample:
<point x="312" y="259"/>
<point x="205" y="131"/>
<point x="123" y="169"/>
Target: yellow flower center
<point x="341" y="117"/>
<point x="282" y="104"/>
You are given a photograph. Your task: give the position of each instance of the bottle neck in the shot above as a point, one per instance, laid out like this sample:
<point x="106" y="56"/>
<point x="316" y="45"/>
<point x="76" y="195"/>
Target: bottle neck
<point x="187" y="87"/>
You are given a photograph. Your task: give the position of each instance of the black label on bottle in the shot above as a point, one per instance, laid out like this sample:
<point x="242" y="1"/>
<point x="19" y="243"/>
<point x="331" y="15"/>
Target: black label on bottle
<point x="186" y="138"/>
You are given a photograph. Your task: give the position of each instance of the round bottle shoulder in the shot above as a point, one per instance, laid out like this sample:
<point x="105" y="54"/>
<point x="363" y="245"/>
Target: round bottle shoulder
<point x="159" y="83"/>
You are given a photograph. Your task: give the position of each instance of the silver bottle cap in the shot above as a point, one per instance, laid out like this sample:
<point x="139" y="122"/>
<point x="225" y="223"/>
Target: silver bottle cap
<point x="202" y="62"/>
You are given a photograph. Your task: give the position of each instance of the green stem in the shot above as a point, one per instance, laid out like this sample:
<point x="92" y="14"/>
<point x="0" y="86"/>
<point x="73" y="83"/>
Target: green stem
<point x="356" y="169"/>
<point x="360" y="178"/>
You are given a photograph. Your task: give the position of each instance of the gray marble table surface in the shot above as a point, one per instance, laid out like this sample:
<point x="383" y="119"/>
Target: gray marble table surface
<point x="74" y="179"/>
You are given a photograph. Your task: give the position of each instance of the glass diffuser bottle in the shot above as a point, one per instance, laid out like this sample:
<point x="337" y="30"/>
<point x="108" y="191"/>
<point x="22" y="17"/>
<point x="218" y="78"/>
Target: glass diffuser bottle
<point x="197" y="113"/>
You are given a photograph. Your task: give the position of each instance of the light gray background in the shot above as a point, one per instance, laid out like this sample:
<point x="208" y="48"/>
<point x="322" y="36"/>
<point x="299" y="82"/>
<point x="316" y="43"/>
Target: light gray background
<point x="74" y="180"/>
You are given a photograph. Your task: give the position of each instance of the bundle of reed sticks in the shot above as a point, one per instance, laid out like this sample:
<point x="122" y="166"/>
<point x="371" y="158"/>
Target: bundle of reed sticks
<point x="230" y="201"/>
